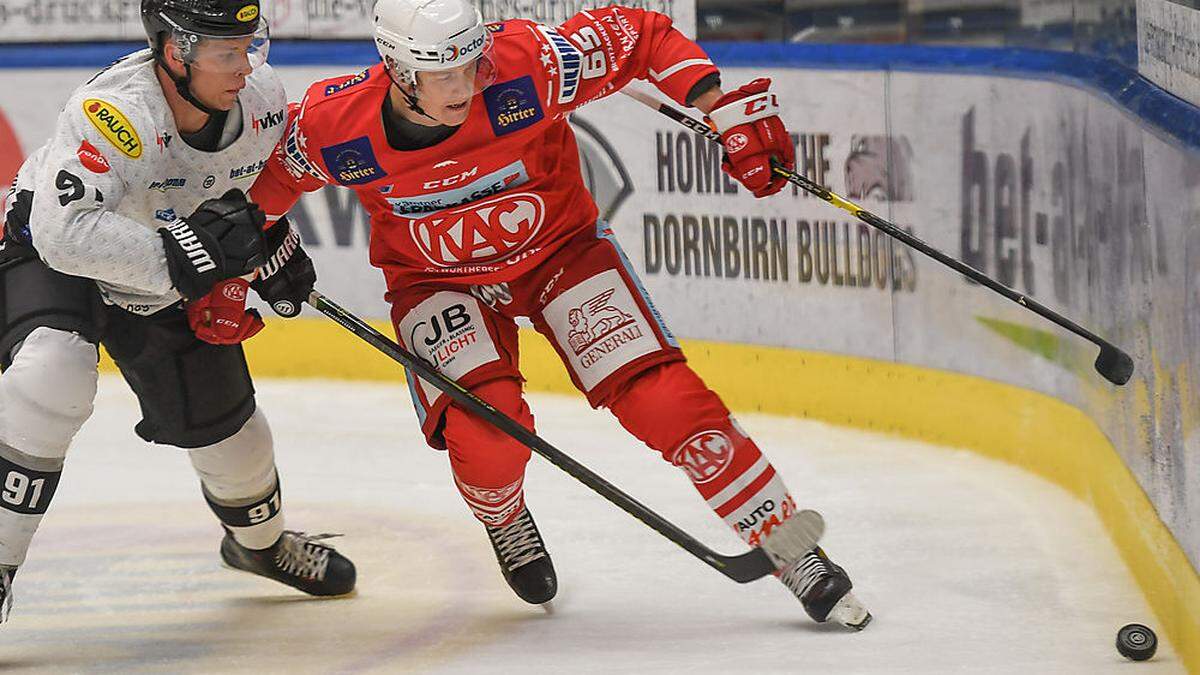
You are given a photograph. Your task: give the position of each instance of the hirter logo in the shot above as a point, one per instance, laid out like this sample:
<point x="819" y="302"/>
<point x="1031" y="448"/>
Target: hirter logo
<point x="353" y="162"/>
<point x="704" y="456"/>
<point x="595" y="320"/>
<point x="485" y="232"/>
<point x="92" y="159"/>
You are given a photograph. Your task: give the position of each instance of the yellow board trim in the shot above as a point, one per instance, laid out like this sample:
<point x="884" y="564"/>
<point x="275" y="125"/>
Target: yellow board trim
<point x="1031" y="430"/>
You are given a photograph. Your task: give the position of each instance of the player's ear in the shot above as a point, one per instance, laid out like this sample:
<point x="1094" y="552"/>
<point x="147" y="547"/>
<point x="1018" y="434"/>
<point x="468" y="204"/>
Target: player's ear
<point x="173" y="57"/>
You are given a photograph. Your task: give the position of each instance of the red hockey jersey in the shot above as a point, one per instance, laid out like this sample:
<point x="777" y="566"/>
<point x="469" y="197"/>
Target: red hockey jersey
<point x="505" y="190"/>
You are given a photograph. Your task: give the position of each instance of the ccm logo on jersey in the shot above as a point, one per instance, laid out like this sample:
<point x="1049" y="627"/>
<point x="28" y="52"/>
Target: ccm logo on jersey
<point x="489" y="231"/>
<point x="451" y="181"/>
<point x="92" y="159"/>
<point x="114" y="126"/>
<point x="513" y="106"/>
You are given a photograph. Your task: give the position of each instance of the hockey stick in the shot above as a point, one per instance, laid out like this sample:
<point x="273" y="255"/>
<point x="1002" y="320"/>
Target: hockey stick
<point x="741" y="568"/>
<point x="1112" y="363"/>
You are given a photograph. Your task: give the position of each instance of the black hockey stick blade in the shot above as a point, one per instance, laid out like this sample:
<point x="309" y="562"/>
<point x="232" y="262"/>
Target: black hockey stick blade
<point x="753" y="564"/>
<point x="1115" y="365"/>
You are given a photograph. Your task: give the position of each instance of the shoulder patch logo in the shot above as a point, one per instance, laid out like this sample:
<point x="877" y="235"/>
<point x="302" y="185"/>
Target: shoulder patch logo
<point x="332" y="89"/>
<point x="513" y="106"/>
<point x="353" y="162"/>
<point x="92" y="159"/>
<point x="247" y="13"/>
<point x="113" y="125"/>
<point x="495" y="27"/>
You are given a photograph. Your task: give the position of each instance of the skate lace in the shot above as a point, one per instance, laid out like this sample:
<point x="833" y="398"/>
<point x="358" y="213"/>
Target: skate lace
<point x="300" y="555"/>
<point x="6" y="596"/>
<point x="518" y="542"/>
<point x="805" y="572"/>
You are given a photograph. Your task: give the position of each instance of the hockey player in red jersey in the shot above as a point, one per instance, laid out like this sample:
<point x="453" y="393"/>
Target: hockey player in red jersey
<point x="459" y="148"/>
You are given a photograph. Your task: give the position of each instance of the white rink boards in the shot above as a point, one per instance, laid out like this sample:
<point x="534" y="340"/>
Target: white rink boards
<point x="968" y="565"/>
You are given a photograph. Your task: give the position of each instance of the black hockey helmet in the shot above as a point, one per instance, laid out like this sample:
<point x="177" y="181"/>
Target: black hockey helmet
<point x="206" y="18"/>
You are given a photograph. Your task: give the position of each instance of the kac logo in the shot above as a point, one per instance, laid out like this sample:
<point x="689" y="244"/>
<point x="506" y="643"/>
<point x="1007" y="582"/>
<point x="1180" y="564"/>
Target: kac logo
<point x="704" y="456"/>
<point x="485" y="232"/>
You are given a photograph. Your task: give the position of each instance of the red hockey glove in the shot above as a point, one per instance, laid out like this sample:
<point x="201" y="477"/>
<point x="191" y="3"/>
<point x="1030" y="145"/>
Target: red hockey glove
<point x="752" y="133"/>
<point x="221" y="317"/>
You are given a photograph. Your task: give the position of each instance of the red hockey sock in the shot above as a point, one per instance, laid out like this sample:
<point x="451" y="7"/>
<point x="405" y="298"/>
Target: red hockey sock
<point x="488" y="465"/>
<point x="670" y="409"/>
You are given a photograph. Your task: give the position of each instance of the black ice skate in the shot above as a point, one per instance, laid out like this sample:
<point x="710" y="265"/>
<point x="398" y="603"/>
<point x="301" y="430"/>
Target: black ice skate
<point x="824" y="590"/>
<point x="296" y="559"/>
<point x="6" y="595"/>
<point x="523" y="559"/>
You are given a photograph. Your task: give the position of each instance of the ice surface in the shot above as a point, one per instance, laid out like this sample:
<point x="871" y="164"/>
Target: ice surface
<point x="970" y="566"/>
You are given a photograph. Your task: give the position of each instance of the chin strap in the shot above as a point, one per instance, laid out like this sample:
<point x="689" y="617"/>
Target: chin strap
<point x="183" y="85"/>
<point x="410" y="99"/>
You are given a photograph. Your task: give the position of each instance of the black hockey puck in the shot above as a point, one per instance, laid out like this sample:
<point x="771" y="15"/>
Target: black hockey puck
<point x="1136" y="642"/>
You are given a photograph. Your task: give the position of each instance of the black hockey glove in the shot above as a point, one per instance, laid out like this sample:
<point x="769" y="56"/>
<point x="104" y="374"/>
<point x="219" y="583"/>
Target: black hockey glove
<point x="222" y="239"/>
<point x="16" y="220"/>
<point x="288" y="276"/>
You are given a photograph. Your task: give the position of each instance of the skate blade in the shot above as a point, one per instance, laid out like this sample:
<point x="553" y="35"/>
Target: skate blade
<point x="303" y="595"/>
<point x="850" y="613"/>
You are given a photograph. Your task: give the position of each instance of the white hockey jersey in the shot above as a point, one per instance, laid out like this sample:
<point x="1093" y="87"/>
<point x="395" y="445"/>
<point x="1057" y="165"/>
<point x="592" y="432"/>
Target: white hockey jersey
<point x="116" y="171"/>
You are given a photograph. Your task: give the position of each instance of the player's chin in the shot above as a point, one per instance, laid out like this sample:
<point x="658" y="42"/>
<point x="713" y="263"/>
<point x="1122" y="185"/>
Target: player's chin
<point x="225" y="101"/>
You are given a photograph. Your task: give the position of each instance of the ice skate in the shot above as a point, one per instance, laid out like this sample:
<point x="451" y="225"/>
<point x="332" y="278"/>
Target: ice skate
<point x="296" y="559"/>
<point x="523" y="559"/>
<point x="824" y="589"/>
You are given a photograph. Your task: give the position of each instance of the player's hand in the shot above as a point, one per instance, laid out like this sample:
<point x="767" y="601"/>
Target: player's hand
<point x="288" y="276"/>
<point x="222" y="239"/>
<point x="753" y="134"/>
<point x="221" y="317"/>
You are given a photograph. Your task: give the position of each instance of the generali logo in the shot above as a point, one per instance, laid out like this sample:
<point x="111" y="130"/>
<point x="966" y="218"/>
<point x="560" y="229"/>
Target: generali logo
<point x="113" y="125"/>
<point x="595" y="320"/>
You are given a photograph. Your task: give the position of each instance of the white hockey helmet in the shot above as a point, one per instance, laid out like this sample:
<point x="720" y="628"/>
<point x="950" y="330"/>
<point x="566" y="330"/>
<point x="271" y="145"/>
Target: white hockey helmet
<point x="429" y="35"/>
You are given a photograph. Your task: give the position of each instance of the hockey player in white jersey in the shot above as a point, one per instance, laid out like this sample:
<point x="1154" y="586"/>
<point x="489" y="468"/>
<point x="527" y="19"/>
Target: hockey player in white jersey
<point x="130" y="229"/>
